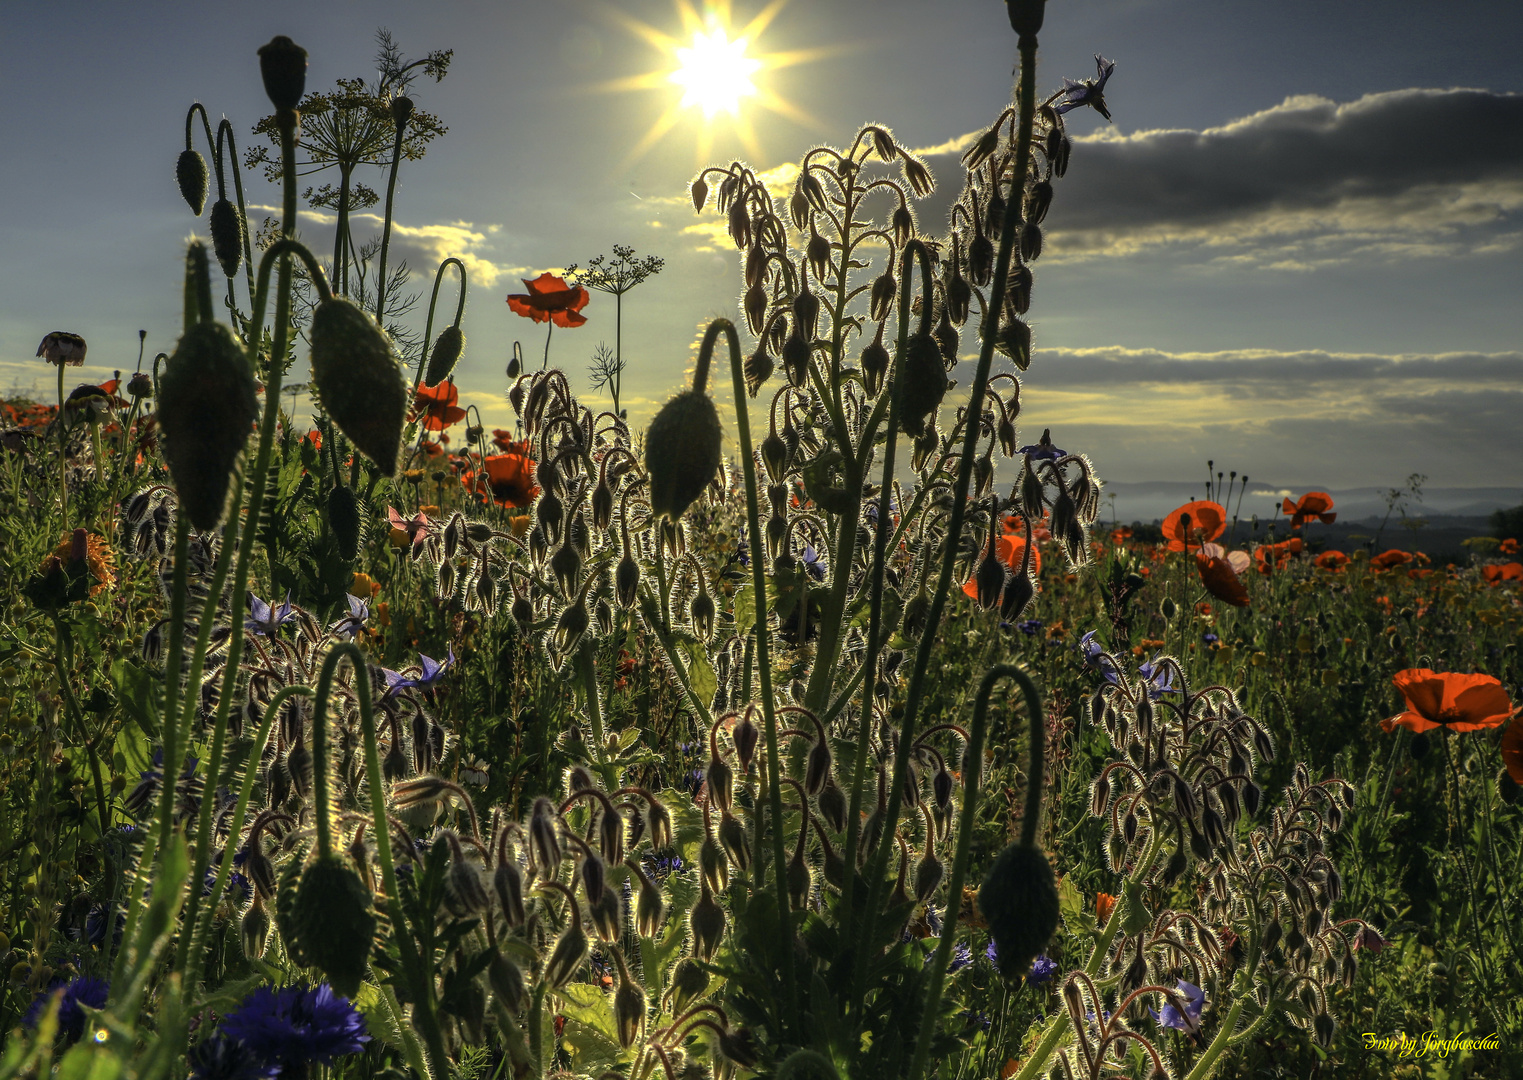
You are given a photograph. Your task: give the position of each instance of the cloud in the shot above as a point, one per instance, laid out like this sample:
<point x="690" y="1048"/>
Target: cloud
<point x="1307" y="183"/>
<point x="1320" y="417"/>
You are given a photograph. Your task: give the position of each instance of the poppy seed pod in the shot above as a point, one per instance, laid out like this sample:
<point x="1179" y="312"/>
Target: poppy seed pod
<point x="1026" y="16"/>
<point x="359" y="379"/>
<point x="206" y="409"/>
<point x="401" y="110"/>
<point x="925" y="383"/>
<point x="334" y="927"/>
<point x="446" y="353"/>
<point x="190" y="173"/>
<point x="226" y="225"/>
<point x="283" y="65"/>
<point x="1020" y="901"/>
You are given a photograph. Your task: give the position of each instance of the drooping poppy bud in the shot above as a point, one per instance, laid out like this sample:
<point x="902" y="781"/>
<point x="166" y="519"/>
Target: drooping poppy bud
<point x="190" y="174"/>
<point x="359" y="379"/>
<point x="227" y="236"/>
<point x="344" y="519"/>
<point x="683" y="446"/>
<point x="334" y="924"/>
<point x="925" y="383"/>
<point x="446" y="354"/>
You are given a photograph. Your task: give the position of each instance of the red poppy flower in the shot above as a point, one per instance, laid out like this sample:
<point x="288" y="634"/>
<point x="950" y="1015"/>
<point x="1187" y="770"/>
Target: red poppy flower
<point x="1387" y="559"/>
<point x="550" y="299"/>
<point x="1508" y="546"/>
<point x="436" y="406"/>
<point x="1458" y="702"/>
<point x="1512" y="750"/>
<point x="1217" y="576"/>
<point x="1497" y="573"/>
<point x="1271" y="557"/>
<point x="315" y="437"/>
<point x="1207" y="521"/>
<point x="1332" y="560"/>
<point x="503" y="440"/>
<point x="509" y="478"/>
<point x="1314" y="504"/>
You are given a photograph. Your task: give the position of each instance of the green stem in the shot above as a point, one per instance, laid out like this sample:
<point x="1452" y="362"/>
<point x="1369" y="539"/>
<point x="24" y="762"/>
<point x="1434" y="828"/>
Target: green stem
<point x="428" y="326"/>
<point x="63" y="654"/>
<point x="391" y="191"/>
<point x="1027" y="99"/>
<point x="1207" y="1060"/>
<point x="172" y="665"/>
<point x="763" y="658"/>
<point x="63" y="450"/>
<point x="1034" y="720"/>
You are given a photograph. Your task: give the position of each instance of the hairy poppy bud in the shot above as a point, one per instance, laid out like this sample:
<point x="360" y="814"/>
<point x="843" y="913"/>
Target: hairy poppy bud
<point x="925" y="383"/>
<point x="707" y="924"/>
<point x="344" y="520"/>
<point x="227" y="236"/>
<point x="447" y="350"/>
<point x="190" y="173"/>
<point x="682" y="450"/>
<point x="206" y="409"/>
<point x="333" y="925"/>
<point x="1020" y="900"/>
<point x="283" y="64"/>
<point x="359" y="379"/>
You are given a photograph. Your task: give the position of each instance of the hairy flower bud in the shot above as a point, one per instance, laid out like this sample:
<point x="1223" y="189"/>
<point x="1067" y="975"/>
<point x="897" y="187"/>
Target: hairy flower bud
<point x="359" y="379"/>
<point x="190" y="174"/>
<point x="226" y="224"/>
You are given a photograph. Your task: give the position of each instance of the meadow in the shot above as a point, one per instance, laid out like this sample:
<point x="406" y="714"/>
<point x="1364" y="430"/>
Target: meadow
<point x="838" y="737"/>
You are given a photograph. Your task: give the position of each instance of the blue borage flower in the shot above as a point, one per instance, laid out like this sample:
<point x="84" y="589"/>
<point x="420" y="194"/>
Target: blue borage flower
<point x="1095" y="656"/>
<point x="1158" y="677"/>
<point x="296" y="1026"/>
<point x="431" y="671"/>
<point x="1090" y="92"/>
<point x="1187" y="1019"/>
<point x="1043" y="968"/>
<point x="1030" y="627"/>
<point x="1043" y="450"/>
<point x="813" y="563"/>
<point x="265" y="619"/>
<point x="347" y="626"/>
<point x="83" y="991"/>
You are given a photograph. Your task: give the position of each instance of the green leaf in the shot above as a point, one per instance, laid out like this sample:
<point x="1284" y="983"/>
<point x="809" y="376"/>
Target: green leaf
<point x="137" y="690"/>
<point x="700" y="672"/>
<point x="90" y="1062"/>
<point x="745" y="608"/>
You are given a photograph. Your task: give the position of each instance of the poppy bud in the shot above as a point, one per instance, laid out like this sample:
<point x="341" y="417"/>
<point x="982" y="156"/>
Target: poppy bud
<point x="700" y="193"/>
<point x="447" y="349"/>
<point x="359" y="379"/>
<point x="344" y="519"/>
<point x="206" y="409"/>
<point x="707" y="925"/>
<point x="227" y="236"/>
<point x="682" y="451"/>
<point x="959" y="298"/>
<point x="566" y="563"/>
<point x="800" y="881"/>
<point x="190" y="173"/>
<point x="689" y="980"/>
<point x="732" y="838"/>
<point x="1020" y="901"/>
<point x="507" y="981"/>
<point x="832" y="805"/>
<point x="333" y="925"/>
<point x="925" y="384"/>
<point x="283" y="64"/>
<point x="401" y="113"/>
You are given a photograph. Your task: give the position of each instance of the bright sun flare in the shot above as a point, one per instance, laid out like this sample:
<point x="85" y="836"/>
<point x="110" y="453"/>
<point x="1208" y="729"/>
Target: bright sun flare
<point x="715" y="73"/>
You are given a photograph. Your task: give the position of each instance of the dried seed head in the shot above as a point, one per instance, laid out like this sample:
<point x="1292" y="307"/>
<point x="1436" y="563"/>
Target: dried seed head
<point x="283" y="64"/>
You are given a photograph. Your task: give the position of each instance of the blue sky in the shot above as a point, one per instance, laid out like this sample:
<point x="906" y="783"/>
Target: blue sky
<point x="1296" y="251"/>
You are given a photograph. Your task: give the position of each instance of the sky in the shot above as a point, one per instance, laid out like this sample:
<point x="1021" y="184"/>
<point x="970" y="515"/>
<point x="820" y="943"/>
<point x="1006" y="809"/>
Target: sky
<point x="1295" y="251"/>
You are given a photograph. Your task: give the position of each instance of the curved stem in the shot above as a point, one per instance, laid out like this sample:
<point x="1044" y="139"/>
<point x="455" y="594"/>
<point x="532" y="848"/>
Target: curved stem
<point x="428" y="326"/>
<point x="1034" y="722"/>
<point x="391" y="191"/>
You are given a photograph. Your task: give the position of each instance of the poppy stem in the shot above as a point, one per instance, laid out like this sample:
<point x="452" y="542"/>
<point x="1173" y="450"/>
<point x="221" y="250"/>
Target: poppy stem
<point x="63" y="450"/>
<point x="548" y="331"/>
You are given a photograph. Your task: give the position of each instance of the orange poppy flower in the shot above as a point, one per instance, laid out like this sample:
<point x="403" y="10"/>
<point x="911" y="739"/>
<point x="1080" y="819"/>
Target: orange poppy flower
<point x="509" y="479"/>
<point x="1208" y="520"/>
<point x="1010" y="549"/>
<point x="550" y="299"/>
<point x="1334" y="561"/>
<point x="1458" y="702"/>
<point x="1217" y="576"/>
<point x="436" y="406"/>
<point x="1512" y="750"/>
<point x="1271" y="557"/>
<point x="1314" y="504"/>
<point x="1123" y="533"/>
<point x="1105" y="903"/>
<point x="1497" y="573"/>
<point x="503" y="440"/>
<point x="1387" y="559"/>
<point x="1508" y="546"/>
<point x="315" y="437"/>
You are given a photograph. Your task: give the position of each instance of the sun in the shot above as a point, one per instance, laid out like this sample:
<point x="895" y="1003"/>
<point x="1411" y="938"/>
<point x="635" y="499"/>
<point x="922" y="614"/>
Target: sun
<point x="715" y="73"/>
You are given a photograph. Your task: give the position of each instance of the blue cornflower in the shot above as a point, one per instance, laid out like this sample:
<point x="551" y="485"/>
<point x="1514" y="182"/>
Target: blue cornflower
<point x="813" y="563"/>
<point x="1043" y="968"/>
<point x="220" y="1058"/>
<point x="431" y="672"/>
<point x="1210" y="638"/>
<point x="992" y="952"/>
<point x="85" y="990"/>
<point x="351" y="624"/>
<point x="1189" y="1018"/>
<point x="1158" y="677"/>
<point x="295" y="1026"/>
<point x="237" y="885"/>
<point x="1030" y="627"/>
<point x="265" y="619"/>
<point x="1090" y="92"/>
